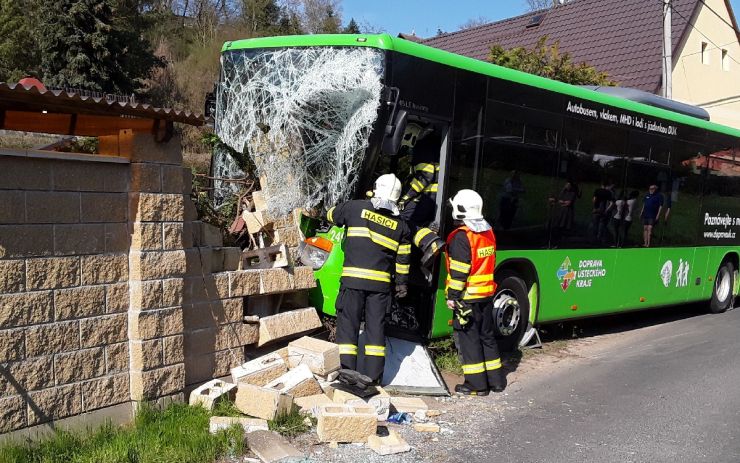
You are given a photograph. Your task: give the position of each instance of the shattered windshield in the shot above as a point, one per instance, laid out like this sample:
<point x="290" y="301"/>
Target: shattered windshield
<point x="304" y="116"/>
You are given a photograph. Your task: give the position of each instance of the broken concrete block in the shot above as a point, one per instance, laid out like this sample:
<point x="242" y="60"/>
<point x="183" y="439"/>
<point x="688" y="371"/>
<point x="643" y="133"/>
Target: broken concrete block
<point x="380" y="402"/>
<point x="211" y="236"/>
<point x="340" y="396"/>
<point x="388" y="445"/>
<point x="218" y="423"/>
<point x="346" y="423"/>
<point x="433" y="413"/>
<point x="269" y="258"/>
<point x="256" y="221"/>
<point x="262" y="402"/>
<point x="408" y="404"/>
<point x="211" y="392"/>
<point x="331" y="377"/>
<point x="426" y="427"/>
<point x="309" y="404"/>
<point x="283" y="353"/>
<point x="322" y="357"/>
<point x="260" y="371"/>
<point x="287" y="324"/>
<point x="258" y="199"/>
<point x="232" y="258"/>
<point x="271" y="447"/>
<point x="298" y="382"/>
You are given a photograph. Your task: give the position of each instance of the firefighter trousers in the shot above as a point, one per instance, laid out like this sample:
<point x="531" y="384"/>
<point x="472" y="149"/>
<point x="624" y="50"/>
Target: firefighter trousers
<point x="479" y="350"/>
<point x="354" y="305"/>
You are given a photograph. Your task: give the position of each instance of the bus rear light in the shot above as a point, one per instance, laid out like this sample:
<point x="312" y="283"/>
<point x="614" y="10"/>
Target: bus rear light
<point x="315" y="251"/>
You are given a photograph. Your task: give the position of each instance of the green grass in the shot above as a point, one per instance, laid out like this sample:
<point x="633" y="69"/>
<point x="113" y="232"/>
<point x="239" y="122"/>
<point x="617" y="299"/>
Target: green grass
<point x="291" y="424"/>
<point x="445" y="355"/>
<point x="177" y="434"/>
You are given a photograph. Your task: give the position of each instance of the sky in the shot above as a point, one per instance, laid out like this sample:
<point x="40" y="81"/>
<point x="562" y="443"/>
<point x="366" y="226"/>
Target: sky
<point x="424" y="17"/>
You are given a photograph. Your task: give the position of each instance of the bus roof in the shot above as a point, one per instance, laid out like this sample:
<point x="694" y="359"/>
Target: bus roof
<point x="387" y="42"/>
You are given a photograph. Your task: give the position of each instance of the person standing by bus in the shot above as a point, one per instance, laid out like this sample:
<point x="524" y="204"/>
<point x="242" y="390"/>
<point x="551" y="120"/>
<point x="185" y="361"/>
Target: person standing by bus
<point x="471" y="258"/>
<point x="652" y="204"/>
<point x="376" y="252"/>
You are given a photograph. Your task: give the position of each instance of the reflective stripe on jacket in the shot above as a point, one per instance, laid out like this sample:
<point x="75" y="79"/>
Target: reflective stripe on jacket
<point x="471" y="259"/>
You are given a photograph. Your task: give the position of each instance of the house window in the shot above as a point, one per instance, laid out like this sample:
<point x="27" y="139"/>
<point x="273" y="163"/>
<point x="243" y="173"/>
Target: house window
<point x="725" y="60"/>
<point x="704" y="53"/>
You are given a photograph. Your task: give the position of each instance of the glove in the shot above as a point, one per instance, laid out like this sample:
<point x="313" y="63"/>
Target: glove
<point x="401" y="291"/>
<point x="434" y="226"/>
<point x="461" y="311"/>
<point x="401" y="205"/>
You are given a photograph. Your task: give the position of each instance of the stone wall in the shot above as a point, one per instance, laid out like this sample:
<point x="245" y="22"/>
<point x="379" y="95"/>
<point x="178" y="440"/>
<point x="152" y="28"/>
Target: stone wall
<point x="111" y="291"/>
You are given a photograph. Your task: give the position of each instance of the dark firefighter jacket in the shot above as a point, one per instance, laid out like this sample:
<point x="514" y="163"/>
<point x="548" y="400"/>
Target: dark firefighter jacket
<point x="377" y="246"/>
<point x="425" y="160"/>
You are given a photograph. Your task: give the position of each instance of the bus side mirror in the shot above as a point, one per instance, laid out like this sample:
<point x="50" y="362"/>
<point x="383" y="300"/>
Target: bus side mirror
<point x="394" y="134"/>
<point x="209" y="110"/>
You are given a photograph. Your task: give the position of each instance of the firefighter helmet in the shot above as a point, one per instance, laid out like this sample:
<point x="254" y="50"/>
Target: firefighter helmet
<point x="387" y="187"/>
<point x="467" y="205"/>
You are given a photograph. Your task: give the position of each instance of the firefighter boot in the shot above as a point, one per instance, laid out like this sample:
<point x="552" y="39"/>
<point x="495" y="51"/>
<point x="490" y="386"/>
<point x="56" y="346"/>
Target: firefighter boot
<point x="464" y="389"/>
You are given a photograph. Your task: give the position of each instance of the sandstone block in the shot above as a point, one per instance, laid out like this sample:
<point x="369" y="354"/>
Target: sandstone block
<point x="12" y="276"/>
<point x="289" y="236"/>
<point x="262" y="402"/>
<point x="52" y="338"/>
<point x="187" y="234"/>
<point x="156" y="323"/>
<point x="233" y="309"/>
<point x="244" y="283"/>
<point x="154" y="207"/>
<point x="104" y="207"/>
<point x="235" y="335"/>
<point x="426" y="427"/>
<point x="232" y="258"/>
<point x="187" y="180"/>
<point x="380" y="402"/>
<point x="76" y="366"/>
<point x="53" y="404"/>
<point x="191" y="212"/>
<point x="76" y="239"/>
<point x="29" y="375"/>
<point x="146" y="149"/>
<point x="256" y="221"/>
<point x="157" y="383"/>
<point x="147" y="355"/>
<point x="55" y="272"/>
<point x="52" y="207"/>
<point x="298" y="382"/>
<point x="202" y="315"/>
<point x="147" y="236"/>
<point x="25" y="173"/>
<point x="172" y="292"/>
<point x="26" y="309"/>
<point x="26" y="241"/>
<point x="172" y="179"/>
<point x="211" y="236"/>
<point x="260" y="371"/>
<point x="173" y="235"/>
<point x="211" y="392"/>
<point x="116" y="358"/>
<point x="341" y="396"/>
<point x="258" y="198"/>
<point x="321" y="357"/>
<point x="174" y="349"/>
<point x="12" y="414"/>
<point x="276" y="280"/>
<point x="86" y="301"/>
<point x="117" y="298"/>
<point x="388" y="445"/>
<point x="221" y="423"/>
<point x="346" y="423"/>
<point x="146" y="177"/>
<point x="146" y="295"/>
<point x="217" y="260"/>
<point x="105" y="392"/>
<point x="12" y="347"/>
<point x="154" y="264"/>
<point x="104" y="330"/>
<point x="408" y="404"/>
<point x="12" y="207"/>
<point x="117" y="237"/>
<point x="309" y="404"/>
<point x="304" y="278"/>
<point x="271" y="447"/>
<point x="199" y="368"/>
<point x="104" y="268"/>
<point x="287" y="324"/>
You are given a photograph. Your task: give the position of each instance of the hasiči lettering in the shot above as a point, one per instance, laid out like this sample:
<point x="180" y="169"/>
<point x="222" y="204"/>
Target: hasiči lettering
<point x="379" y="219"/>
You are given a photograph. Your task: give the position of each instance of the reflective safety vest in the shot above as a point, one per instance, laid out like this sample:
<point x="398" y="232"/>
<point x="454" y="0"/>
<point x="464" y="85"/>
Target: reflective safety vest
<point x="473" y="274"/>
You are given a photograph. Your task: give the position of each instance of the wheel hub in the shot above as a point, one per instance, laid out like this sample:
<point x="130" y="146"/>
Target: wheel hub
<point x="723" y="285"/>
<point x="506" y="313"/>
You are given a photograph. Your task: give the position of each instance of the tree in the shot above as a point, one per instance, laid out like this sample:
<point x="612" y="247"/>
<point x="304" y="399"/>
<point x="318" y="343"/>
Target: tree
<point x="352" y="27"/>
<point x="547" y="61"/>
<point x="18" y="49"/>
<point x="94" y="44"/>
<point x="261" y="16"/>
<point x="474" y="22"/>
<point x="320" y="16"/>
<point x="536" y="5"/>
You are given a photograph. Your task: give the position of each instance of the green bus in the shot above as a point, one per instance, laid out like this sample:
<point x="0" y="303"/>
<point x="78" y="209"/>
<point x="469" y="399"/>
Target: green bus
<point x="573" y="179"/>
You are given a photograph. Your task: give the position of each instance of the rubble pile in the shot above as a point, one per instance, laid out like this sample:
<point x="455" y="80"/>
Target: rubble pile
<point x="303" y="377"/>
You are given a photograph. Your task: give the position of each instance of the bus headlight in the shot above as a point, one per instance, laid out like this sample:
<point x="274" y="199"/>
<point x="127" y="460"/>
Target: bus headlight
<point x="315" y="251"/>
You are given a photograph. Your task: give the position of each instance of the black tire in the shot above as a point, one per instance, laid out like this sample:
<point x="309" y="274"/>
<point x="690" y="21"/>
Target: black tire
<point x="510" y="320"/>
<point x="723" y="294"/>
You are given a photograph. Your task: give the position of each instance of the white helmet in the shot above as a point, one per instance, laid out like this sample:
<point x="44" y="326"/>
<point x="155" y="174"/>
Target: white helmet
<point x="411" y="135"/>
<point x="387" y="187"/>
<point x="467" y="205"/>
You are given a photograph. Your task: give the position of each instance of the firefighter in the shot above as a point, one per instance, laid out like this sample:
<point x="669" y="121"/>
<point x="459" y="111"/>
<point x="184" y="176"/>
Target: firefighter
<point x="471" y="258"/>
<point x="377" y="248"/>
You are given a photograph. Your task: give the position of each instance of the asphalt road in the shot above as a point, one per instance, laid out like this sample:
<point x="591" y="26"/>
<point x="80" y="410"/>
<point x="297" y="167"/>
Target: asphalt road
<point x="666" y="391"/>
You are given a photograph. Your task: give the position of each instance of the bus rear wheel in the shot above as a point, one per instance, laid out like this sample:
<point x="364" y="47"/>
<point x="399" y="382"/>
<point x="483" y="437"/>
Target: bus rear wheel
<point x="723" y="293"/>
<point x="510" y="312"/>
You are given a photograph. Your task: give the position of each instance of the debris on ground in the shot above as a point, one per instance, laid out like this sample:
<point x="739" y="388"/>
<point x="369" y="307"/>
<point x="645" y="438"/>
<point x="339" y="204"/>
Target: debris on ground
<point x="346" y="423"/>
<point x="211" y="392"/>
<point x="271" y="447"/>
<point x="219" y="423"/>
<point x="388" y="445"/>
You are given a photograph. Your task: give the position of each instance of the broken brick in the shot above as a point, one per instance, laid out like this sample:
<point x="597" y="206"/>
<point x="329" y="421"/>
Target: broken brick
<point x="260" y="371"/>
<point x="346" y="423"/>
<point x="211" y="392"/>
<point x="262" y="402"/>
<point x="322" y="357"/>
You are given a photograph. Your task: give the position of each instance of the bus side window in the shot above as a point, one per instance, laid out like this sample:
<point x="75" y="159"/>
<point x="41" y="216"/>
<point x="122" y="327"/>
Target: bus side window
<point x="721" y="190"/>
<point x="687" y="172"/>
